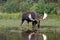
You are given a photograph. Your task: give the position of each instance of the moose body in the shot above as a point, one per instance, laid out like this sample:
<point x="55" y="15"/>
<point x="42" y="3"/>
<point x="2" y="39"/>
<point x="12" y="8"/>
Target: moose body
<point x="34" y="18"/>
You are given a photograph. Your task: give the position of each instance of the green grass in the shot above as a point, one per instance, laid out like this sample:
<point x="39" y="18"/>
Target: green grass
<point x="10" y="15"/>
<point x="16" y="23"/>
<point x="6" y="25"/>
<point x="50" y="23"/>
<point x="54" y="16"/>
<point x="11" y="24"/>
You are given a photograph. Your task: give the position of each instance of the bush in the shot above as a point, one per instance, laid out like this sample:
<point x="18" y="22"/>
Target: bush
<point x="42" y="6"/>
<point x="15" y="6"/>
<point x="26" y="5"/>
<point x="11" y="6"/>
<point x="33" y="8"/>
<point x="59" y="3"/>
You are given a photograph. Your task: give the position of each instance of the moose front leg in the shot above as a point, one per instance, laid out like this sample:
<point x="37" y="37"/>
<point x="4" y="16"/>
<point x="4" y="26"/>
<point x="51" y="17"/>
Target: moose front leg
<point x="33" y="25"/>
<point x="27" y="24"/>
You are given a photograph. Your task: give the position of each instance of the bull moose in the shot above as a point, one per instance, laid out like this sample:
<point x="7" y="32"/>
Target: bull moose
<point x="32" y="17"/>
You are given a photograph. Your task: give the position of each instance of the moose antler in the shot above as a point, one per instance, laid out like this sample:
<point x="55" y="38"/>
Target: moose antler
<point x="45" y="15"/>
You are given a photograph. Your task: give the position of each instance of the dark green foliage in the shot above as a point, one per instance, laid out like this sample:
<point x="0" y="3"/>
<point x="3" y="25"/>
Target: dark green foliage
<point x="11" y="6"/>
<point x="15" y="6"/>
<point x="42" y="6"/>
<point x="59" y="3"/>
<point x="26" y="5"/>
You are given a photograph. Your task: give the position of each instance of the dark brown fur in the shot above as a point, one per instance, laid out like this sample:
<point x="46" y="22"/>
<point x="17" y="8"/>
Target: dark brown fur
<point x="34" y="16"/>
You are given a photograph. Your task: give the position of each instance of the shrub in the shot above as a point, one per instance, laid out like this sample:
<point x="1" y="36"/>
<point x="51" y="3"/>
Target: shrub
<point x="26" y="5"/>
<point x="11" y="6"/>
<point x="33" y="8"/>
<point x="59" y="3"/>
<point x="15" y="6"/>
<point x="42" y="6"/>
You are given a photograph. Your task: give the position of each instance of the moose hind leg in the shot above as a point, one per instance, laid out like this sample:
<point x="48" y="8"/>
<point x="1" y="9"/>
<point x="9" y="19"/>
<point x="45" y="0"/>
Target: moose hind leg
<point x="22" y="22"/>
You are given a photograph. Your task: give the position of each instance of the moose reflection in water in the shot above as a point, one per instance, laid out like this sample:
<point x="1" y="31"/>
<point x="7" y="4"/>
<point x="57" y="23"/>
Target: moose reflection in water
<point x="32" y="35"/>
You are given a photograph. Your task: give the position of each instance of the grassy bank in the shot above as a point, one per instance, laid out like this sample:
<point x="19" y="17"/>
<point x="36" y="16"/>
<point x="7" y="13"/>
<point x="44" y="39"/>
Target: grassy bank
<point x="10" y="26"/>
<point x="6" y="25"/>
<point x="16" y="23"/>
<point x="18" y="16"/>
<point x="10" y="15"/>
